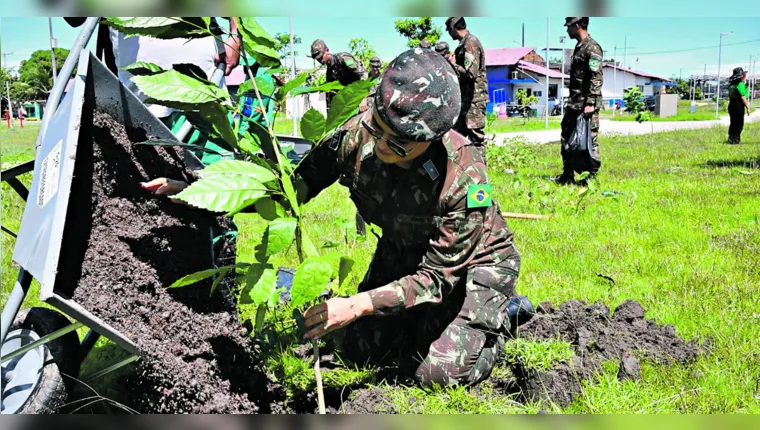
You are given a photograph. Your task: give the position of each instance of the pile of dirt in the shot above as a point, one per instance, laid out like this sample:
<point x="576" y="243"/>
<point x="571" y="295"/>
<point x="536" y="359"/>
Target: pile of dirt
<point x="124" y="246"/>
<point x="596" y="336"/>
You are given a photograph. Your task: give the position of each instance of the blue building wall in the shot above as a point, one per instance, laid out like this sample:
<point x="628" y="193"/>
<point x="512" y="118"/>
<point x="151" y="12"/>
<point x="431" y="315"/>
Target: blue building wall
<point x="498" y="78"/>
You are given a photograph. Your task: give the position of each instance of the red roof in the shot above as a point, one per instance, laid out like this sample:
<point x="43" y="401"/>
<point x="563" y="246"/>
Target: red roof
<point x="506" y="56"/>
<point x="636" y="72"/>
<point x="541" y="70"/>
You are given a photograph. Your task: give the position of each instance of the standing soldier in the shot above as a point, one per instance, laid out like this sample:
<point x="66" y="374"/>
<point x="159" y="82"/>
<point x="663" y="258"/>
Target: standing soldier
<point x="469" y="62"/>
<point x="443" y="48"/>
<point x="341" y="67"/>
<point x="374" y="73"/>
<point x="586" y="78"/>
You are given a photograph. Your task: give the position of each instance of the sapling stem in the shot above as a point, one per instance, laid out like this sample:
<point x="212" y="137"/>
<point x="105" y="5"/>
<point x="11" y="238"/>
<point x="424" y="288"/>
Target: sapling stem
<point x="318" y="377"/>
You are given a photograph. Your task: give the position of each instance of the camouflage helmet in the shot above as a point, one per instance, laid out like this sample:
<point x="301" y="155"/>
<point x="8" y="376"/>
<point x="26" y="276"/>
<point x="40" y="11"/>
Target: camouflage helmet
<point x="425" y="44"/>
<point x="418" y="97"/>
<point x="442" y="48"/>
<point x="318" y="48"/>
<point x="375" y="61"/>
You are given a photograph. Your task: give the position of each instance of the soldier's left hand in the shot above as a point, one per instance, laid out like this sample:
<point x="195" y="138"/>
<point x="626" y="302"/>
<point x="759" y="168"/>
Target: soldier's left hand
<point x="363" y="106"/>
<point x="588" y="110"/>
<point x="331" y="315"/>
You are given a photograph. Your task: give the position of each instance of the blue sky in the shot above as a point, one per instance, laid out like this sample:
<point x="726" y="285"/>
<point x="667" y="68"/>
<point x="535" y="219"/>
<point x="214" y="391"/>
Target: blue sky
<point x="647" y="37"/>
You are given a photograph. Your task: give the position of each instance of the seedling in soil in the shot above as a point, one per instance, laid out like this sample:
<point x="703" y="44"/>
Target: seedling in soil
<point x="266" y="184"/>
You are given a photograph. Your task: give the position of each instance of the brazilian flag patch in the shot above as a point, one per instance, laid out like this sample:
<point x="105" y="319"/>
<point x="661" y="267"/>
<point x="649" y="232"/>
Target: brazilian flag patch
<point x="594" y="62"/>
<point x="479" y="196"/>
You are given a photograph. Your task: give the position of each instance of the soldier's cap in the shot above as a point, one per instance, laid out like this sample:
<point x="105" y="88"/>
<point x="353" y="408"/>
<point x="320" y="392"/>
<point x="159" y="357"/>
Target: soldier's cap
<point x="375" y="61"/>
<point x="442" y="47"/>
<point x="451" y="21"/>
<point x="317" y="48"/>
<point x="570" y="20"/>
<point x="425" y="44"/>
<point x="418" y="96"/>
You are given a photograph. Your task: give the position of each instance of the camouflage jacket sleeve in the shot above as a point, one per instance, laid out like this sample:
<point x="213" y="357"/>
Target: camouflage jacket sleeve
<point x="353" y="66"/>
<point x="471" y="64"/>
<point x="596" y="74"/>
<point x="450" y="251"/>
<point x="321" y="167"/>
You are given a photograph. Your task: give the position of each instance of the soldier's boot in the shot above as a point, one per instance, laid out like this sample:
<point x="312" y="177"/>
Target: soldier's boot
<point x="519" y="311"/>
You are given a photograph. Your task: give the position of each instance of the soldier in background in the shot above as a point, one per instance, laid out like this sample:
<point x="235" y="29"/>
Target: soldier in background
<point x="424" y="44"/>
<point x="469" y="62"/>
<point x="443" y="48"/>
<point x="586" y="78"/>
<point x="341" y="67"/>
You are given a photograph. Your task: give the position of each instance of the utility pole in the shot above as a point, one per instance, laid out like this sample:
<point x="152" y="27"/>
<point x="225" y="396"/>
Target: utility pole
<point x="293" y="76"/>
<point x="751" y="77"/>
<point x="53" y="44"/>
<point x="625" y="61"/>
<point x="614" y="79"/>
<point x="704" y="80"/>
<point x="720" y="53"/>
<point x="523" y="35"/>
<point x="546" y="92"/>
<point x="8" y="87"/>
<point x="562" y="87"/>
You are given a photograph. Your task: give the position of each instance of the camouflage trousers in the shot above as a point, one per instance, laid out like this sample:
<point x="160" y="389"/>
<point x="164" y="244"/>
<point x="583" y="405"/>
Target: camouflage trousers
<point x="456" y="342"/>
<point x="568" y="126"/>
<point x="472" y="126"/>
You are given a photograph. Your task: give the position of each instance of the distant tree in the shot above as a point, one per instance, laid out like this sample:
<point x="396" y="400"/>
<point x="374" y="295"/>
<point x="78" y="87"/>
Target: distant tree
<point x="361" y="50"/>
<point x="681" y="88"/>
<point x="418" y="29"/>
<point x="37" y="72"/>
<point x="282" y="44"/>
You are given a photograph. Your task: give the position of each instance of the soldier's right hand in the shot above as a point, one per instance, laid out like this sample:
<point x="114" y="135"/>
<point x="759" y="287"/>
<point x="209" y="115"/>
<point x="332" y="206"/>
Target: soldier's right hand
<point x="164" y="186"/>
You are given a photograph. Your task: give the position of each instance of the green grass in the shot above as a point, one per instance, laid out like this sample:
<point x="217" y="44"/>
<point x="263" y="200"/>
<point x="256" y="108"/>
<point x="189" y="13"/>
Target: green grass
<point x="674" y="219"/>
<point x="538" y="355"/>
<point x="680" y="116"/>
<point x="519" y="124"/>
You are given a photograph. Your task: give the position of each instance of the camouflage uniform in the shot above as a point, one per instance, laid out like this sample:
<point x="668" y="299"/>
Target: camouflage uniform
<point x="586" y="77"/>
<point x="442" y="48"/>
<point x="442" y="274"/>
<point x="372" y="62"/>
<point x="344" y="68"/>
<point x="471" y="69"/>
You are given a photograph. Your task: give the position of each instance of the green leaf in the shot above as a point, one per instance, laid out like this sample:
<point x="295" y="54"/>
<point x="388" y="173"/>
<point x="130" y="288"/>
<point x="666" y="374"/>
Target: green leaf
<point x="312" y="125"/>
<point x="282" y="93"/>
<point x="344" y="105"/>
<point x="249" y="144"/>
<point x="143" y="68"/>
<point x="218" y="280"/>
<point x="204" y="274"/>
<point x="176" y="87"/>
<point x="168" y="142"/>
<point x="261" y="283"/>
<point x="161" y="27"/>
<point x="253" y="31"/>
<point x="222" y="193"/>
<point x="243" y="206"/>
<point x="344" y="272"/>
<point x="217" y="116"/>
<point x="269" y="209"/>
<point x="290" y="194"/>
<point x="258" y="43"/>
<point x="311" y="279"/>
<point x="280" y="234"/>
<point x="309" y="250"/>
<point x="238" y="167"/>
<point x="330" y="86"/>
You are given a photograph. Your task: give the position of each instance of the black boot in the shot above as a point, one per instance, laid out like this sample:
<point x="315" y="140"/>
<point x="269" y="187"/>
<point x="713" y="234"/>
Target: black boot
<point x="563" y="179"/>
<point x="519" y="311"/>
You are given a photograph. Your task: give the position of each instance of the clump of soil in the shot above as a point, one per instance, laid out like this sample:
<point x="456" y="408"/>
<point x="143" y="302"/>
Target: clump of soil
<point x="124" y="246"/>
<point x="625" y="336"/>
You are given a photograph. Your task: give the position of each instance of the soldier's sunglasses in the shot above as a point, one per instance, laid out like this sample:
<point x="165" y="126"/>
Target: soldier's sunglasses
<point x="394" y="145"/>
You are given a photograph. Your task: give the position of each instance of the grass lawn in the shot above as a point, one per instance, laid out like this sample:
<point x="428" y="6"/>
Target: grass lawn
<point x="673" y="218"/>
<point x="521" y="124"/>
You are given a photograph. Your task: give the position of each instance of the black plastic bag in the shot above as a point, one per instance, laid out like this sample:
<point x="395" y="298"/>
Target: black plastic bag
<point x="580" y="146"/>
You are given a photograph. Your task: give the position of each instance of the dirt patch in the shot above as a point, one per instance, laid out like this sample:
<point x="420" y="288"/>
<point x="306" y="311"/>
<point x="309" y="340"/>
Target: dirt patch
<point x="367" y="401"/>
<point x="596" y="336"/>
<point x="124" y="246"/>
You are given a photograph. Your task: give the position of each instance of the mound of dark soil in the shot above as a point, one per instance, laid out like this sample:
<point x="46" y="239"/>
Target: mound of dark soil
<point x="124" y="246"/>
<point x="596" y="336"/>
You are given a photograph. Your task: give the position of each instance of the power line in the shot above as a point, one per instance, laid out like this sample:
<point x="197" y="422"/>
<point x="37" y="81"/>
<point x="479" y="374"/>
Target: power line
<point x="697" y="49"/>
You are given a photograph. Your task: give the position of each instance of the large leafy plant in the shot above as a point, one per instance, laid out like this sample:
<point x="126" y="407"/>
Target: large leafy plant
<point x="260" y="177"/>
